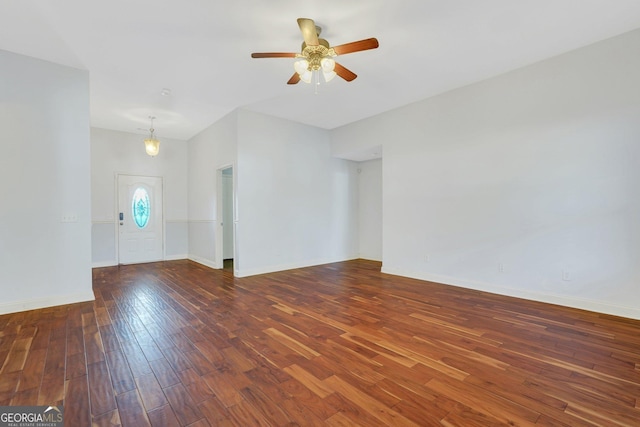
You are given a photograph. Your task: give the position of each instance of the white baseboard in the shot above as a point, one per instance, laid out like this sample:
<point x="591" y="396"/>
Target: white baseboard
<point x="573" y="302"/>
<point x="115" y="263"/>
<point x="283" y="267"/>
<point x="33" y="304"/>
<point x="104" y="264"/>
<point x="206" y="262"/>
<point x="370" y="258"/>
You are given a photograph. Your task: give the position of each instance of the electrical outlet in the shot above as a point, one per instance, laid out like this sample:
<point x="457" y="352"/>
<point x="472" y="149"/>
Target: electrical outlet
<point x="501" y="268"/>
<point x="70" y="217"/>
<point x="427" y="258"/>
<point x="566" y="275"/>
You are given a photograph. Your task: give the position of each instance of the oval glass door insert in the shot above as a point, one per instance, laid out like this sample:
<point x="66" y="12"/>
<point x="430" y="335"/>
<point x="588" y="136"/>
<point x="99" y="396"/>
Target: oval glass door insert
<point x="140" y="207"/>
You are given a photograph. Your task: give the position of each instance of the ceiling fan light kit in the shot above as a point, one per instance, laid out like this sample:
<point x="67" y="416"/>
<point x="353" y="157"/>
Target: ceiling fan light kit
<point x="316" y="56"/>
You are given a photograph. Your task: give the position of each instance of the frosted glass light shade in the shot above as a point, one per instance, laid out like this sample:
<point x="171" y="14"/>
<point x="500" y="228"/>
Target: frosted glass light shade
<point x="306" y="76"/>
<point x="152" y="146"/>
<point x="327" y="64"/>
<point x="301" y="66"/>
<point x="328" y="76"/>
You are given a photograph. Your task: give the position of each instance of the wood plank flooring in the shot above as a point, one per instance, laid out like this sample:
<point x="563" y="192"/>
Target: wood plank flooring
<point x="178" y="344"/>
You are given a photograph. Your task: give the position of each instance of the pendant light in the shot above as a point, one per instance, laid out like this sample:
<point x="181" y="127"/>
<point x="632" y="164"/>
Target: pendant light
<point x="151" y="144"/>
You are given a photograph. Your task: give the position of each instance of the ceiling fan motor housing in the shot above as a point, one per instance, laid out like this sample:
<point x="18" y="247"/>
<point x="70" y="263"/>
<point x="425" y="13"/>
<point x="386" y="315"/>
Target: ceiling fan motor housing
<point x="315" y="54"/>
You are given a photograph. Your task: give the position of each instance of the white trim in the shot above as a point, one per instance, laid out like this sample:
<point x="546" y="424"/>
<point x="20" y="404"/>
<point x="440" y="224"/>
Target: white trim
<point x="176" y="257"/>
<point x="204" y="221"/>
<point x="106" y="221"/>
<point x="368" y="258"/>
<point x="283" y="267"/>
<point x="104" y="264"/>
<point x="115" y="264"/>
<point x="219" y="232"/>
<point x="203" y="261"/>
<point x="34" y="304"/>
<point x="573" y="302"/>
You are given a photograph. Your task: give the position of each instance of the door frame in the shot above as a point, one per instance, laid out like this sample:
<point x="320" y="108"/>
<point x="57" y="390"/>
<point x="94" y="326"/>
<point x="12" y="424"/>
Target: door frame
<point x="219" y="229"/>
<point x="116" y="204"/>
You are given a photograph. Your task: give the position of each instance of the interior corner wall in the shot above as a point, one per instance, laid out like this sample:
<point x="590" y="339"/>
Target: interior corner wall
<point x="45" y="228"/>
<point x="370" y="209"/>
<point x="113" y="153"/>
<point x="525" y="184"/>
<point x="297" y="206"/>
<point x="211" y="149"/>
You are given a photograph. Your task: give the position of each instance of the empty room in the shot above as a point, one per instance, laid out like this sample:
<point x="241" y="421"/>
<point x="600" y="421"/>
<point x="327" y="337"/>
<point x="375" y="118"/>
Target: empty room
<point x="373" y="213"/>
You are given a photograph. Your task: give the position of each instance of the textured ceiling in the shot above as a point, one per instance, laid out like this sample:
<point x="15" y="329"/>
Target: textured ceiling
<point x="200" y="49"/>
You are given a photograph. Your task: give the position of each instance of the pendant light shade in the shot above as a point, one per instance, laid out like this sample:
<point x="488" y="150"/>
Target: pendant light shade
<point x="151" y="144"/>
<point x="327" y="65"/>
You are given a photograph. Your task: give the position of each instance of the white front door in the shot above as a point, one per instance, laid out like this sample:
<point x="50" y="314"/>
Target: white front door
<point x="140" y="223"/>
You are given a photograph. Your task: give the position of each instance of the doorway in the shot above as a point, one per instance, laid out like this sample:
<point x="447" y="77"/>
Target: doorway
<point x="140" y="226"/>
<point x="225" y="243"/>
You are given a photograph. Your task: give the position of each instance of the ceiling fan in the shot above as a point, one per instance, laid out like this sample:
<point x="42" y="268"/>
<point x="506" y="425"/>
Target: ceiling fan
<point x="317" y="55"/>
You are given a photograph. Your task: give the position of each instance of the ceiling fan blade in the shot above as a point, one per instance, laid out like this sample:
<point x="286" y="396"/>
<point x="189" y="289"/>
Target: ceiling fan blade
<point x="309" y="32"/>
<point x="365" y="44"/>
<point x="294" y="79"/>
<point x="345" y="73"/>
<point x="273" y="55"/>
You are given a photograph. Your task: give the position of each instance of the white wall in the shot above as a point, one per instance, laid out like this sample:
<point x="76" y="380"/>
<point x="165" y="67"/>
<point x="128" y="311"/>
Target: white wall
<point x="44" y="176"/>
<point x="113" y="153"/>
<point x="535" y="170"/>
<point x="297" y="206"/>
<point x="210" y="150"/>
<point x="370" y="209"/>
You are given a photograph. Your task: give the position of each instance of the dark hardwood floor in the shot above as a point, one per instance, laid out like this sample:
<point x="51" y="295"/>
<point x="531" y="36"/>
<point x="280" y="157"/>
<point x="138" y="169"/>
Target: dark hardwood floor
<point x="175" y="343"/>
